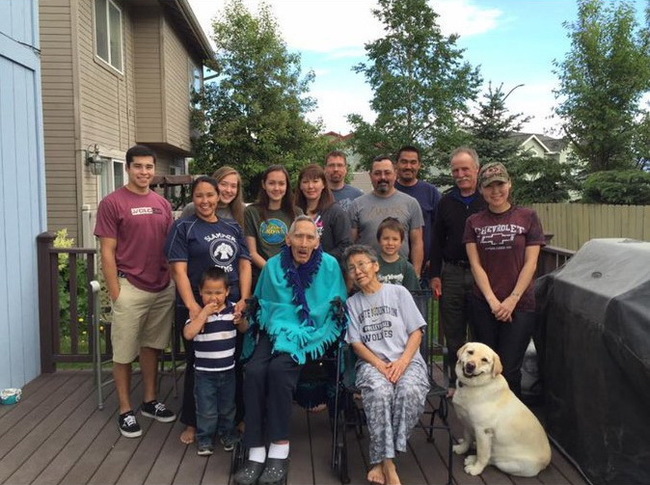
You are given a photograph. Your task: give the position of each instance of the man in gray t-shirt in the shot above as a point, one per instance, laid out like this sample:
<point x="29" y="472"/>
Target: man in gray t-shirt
<point x="369" y="210"/>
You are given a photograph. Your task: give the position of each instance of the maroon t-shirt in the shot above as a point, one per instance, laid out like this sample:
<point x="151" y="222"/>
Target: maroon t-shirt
<point x="501" y="240"/>
<point x="140" y="224"/>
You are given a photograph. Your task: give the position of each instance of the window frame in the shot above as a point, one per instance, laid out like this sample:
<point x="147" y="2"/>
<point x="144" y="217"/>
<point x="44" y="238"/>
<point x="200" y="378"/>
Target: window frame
<point x="107" y="29"/>
<point x="108" y="179"/>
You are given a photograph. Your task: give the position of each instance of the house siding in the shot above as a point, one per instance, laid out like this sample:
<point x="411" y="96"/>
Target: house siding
<point x="148" y="76"/>
<point x="58" y="113"/>
<point x="21" y="165"/>
<point x="176" y="89"/>
<point x="88" y="102"/>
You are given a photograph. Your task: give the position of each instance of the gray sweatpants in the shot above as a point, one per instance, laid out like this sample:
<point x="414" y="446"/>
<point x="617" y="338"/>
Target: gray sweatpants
<point x="392" y="410"/>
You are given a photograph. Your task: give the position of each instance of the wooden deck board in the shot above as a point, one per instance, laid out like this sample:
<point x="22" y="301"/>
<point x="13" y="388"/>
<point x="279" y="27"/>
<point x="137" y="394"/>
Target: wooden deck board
<point x="56" y="435"/>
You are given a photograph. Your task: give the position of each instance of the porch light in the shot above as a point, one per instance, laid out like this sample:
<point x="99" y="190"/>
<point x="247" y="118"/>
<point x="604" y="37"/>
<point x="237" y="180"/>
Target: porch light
<point x="93" y="160"/>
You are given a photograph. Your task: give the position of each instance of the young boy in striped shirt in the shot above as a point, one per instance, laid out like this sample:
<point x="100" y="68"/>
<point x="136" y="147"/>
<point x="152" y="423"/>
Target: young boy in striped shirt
<point x="214" y="332"/>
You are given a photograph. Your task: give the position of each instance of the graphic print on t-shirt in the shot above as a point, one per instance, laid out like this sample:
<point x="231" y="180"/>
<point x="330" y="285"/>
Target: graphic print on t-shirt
<point x="273" y="231"/>
<point x="143" y="211"/>
<point x="376" y="324"/>
<point x="223" y="250"/>
<point x="498" y="236"/>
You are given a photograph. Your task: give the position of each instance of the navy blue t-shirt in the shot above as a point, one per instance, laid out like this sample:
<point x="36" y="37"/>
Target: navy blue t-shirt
<point x="428" y="196"/>
<point x="205" y="244"/>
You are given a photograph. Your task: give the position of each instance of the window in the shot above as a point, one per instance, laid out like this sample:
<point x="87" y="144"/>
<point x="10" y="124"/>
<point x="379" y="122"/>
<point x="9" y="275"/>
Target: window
<point x="196" y="82"/>
<point x="112" y="176"/>
<point x="108" y="32"/>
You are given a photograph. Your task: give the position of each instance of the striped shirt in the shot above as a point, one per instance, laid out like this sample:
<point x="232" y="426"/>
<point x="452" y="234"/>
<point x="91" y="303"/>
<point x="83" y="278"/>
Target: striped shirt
<point x="214" y="346"/>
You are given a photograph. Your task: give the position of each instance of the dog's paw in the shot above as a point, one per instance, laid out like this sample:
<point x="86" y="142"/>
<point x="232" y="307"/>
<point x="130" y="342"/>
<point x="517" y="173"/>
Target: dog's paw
<point x="472" y="467"/>
<point x="461" y="447"/>
<point x="470" y="460"/>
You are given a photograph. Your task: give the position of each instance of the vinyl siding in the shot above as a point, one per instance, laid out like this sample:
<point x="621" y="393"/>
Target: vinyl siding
<point x="58" y="114"/>
<point x="148" y="76"/>
<point x="177" y="90"/>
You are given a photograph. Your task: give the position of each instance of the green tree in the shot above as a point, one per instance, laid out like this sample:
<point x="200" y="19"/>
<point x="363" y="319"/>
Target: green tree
<point x="602" y="79"/>
<point x="628" y="187"/>
<point x="536" y="179"/>
<point x="420" y="83"/>
<point x="253" y="114"/>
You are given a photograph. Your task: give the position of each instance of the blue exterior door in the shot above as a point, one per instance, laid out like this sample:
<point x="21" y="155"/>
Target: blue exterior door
<point x="22" y="191"/>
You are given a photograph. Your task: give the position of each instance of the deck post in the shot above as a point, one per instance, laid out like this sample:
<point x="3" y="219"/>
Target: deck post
<point x="44" y="243"/>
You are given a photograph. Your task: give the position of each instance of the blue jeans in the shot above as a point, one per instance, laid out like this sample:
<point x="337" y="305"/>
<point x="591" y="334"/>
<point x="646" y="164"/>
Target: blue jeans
<point x="214" y="393"/>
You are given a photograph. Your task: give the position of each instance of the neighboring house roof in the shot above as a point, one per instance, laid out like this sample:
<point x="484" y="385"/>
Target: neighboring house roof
<point x="337" y="136"/>
<point x="187" y="23"/>
<point x="548" y="143"/>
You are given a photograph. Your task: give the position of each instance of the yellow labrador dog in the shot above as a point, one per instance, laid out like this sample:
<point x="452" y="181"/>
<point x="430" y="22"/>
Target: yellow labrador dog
<point x="507" y="433"/>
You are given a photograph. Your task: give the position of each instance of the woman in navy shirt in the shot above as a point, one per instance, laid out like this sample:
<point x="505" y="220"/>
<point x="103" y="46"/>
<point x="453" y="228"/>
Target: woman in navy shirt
<point x="198" y="242"/>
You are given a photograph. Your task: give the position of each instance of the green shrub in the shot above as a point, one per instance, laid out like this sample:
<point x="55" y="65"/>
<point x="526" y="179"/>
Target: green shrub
<point x="621" y="187"/>
<point x="65" y="318"/>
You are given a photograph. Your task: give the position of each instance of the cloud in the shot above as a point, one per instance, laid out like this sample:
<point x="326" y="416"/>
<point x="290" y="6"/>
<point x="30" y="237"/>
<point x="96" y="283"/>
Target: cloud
<point x="342" y="27"/>
<point x="465" y="18"/>
<point x="335" y="104"/>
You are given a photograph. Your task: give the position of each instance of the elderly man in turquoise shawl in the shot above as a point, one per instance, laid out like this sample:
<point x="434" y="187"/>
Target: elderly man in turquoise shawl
<point x="297" y="320"/>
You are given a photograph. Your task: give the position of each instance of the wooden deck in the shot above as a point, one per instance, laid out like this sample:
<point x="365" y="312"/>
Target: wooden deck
<point x="56" y="435"/>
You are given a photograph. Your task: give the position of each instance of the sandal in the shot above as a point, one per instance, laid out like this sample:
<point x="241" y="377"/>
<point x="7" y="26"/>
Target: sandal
<point x="276" y="471"/>
<point x="249" y="473"/>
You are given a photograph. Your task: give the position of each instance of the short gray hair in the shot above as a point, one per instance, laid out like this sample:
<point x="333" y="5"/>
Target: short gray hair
<point x="470" y="151"/>
<point x="302" y="218"/>
<point x="360" y="249"/>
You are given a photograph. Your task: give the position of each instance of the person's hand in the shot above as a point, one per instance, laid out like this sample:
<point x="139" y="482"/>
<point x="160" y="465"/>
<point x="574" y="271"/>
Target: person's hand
<point x="194" y="309"/>
<point x="396" y="369"/>
<point x="436" y="287"/>
<point x="384" y="368"/>
<point x="209" y="309"/>
<point x="503" y="312"/>
<point x="114" y="295"/>
<point x="240" y="308"/>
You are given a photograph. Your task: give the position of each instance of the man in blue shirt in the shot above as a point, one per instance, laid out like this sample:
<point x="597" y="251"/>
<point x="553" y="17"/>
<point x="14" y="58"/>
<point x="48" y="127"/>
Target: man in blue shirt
<point x="408" y="167"/>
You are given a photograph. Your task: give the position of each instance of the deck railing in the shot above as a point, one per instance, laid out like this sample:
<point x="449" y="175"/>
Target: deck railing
<point x="73" y="340"/>
<point x="65" y="341"/>
<point x="551" y="258"/>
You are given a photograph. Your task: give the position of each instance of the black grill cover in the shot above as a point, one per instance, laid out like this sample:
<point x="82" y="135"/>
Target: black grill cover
<point x="595" y="313"/>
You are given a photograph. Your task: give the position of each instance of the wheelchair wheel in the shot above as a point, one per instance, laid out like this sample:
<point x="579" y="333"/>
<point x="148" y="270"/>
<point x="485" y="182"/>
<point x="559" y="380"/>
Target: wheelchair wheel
<point x="237" y="457"/>
<point x="341" y="452"/>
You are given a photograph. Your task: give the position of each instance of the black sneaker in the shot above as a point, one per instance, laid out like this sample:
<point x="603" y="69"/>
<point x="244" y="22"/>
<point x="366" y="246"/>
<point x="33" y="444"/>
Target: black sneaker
<point x="229" y="442"/>
<point x="205" y="450"/>
<point x="129" y="427"/>
<point x="157" y="410"/>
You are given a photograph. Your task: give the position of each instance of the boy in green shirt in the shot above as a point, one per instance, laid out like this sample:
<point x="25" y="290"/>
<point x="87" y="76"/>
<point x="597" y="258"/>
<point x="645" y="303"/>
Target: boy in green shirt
<point x="393" y="267"/>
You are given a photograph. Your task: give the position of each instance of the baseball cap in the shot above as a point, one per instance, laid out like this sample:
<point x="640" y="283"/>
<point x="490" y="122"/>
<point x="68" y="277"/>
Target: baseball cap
<point x="493" y="172"/>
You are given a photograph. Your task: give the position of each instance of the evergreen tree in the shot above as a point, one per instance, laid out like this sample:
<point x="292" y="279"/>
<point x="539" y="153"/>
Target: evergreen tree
<point x="535" y="179"/>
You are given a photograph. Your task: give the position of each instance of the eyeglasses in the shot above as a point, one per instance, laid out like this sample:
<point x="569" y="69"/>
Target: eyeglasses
<point x="361" y="266"/>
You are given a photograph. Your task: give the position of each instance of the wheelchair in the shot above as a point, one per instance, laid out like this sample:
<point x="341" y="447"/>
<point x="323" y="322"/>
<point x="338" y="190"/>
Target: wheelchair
<point x="318" y="384"/>
<point x="349" y="410"/>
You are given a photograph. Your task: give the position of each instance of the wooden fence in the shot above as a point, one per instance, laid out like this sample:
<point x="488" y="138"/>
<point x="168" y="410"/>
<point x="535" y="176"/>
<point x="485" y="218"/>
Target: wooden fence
<point x="574" y="224"/>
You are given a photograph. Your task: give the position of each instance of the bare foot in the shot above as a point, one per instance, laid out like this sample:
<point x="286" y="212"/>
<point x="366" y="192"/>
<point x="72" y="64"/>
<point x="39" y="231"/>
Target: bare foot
<point x="319" y="408"/>
<point x="390" y="472"/>
<point x="376" y="474"/>
<point x="188" y="436"/>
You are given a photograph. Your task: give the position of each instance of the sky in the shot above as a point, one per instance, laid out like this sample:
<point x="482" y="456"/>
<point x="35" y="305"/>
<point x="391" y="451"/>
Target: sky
<point x="513" y="42"/>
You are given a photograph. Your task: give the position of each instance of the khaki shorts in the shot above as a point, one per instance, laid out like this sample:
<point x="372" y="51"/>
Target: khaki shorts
<point x="141" y="319"/>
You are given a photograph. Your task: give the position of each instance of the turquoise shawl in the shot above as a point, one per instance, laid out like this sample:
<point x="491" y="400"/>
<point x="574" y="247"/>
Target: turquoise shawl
<point x="296" y="306"/>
